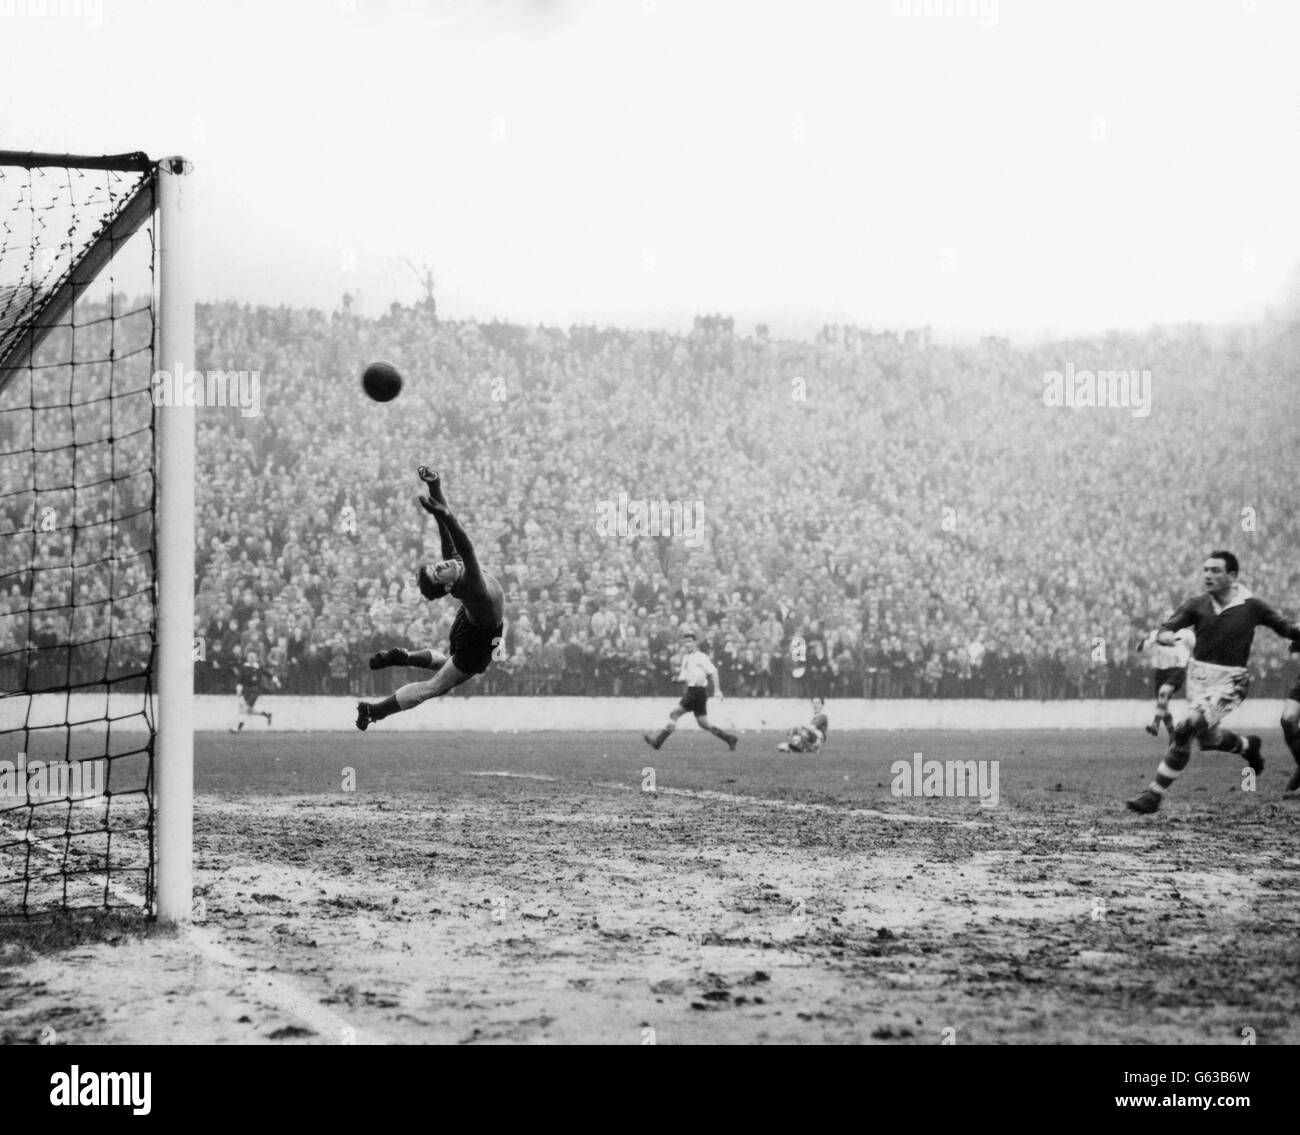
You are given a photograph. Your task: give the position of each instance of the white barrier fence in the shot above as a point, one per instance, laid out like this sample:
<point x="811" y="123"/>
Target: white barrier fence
<point x="522" y="715"/>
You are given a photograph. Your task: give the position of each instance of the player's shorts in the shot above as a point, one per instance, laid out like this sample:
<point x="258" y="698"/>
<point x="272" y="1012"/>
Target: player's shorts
<point x="1173" y="677"/>
<point x="251" y="696"/>
<point x="472" y="647"/>
<point x="696" y="700"/>
<point x="1215" y="691"/>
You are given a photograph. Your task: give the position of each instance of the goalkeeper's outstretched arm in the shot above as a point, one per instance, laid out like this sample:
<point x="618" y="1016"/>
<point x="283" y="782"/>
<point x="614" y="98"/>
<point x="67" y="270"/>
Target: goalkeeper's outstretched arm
<point x="449" y="551"/>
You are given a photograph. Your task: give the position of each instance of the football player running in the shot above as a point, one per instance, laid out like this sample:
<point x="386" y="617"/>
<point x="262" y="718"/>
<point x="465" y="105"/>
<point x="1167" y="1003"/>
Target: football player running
<point x="1224" y="618"/>
<point x="479" y="625"/>
<point x="696" y="671"/>
<point x="252" y="681"/>
<point x="1169" y="674"/>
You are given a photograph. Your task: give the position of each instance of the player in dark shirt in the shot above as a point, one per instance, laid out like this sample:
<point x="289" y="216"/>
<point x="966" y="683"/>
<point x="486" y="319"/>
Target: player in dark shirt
<point x="477" y="632"/>
<point x="1224" y="618"/>
<point x="811" y="737"/>
<point x="252" y="681"/>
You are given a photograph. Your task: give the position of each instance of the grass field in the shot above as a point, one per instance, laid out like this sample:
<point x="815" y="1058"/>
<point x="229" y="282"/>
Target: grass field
<point x="526" y="888"/>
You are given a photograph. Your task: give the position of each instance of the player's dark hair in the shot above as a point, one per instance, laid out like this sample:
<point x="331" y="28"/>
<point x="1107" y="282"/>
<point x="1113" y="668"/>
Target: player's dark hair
<point x="1229" y="560"/>
<point x="688" y="634"/>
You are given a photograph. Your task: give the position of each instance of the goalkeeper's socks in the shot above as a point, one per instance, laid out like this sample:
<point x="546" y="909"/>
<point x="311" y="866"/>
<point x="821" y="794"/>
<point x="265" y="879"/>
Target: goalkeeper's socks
<point x="381" y="709"/>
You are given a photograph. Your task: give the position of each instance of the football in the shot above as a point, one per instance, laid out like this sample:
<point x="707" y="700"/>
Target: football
<point x="381" y="381"/>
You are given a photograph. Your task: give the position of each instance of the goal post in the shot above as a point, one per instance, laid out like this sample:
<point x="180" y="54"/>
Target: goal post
<point x="175" y="542"/>
<point x="97" y="534"/>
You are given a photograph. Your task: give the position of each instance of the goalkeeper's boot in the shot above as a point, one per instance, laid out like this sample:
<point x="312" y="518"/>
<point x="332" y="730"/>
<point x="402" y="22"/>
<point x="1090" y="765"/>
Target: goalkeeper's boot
<point x="1293" y="785"/>
<point x="732" y="740"/>
<point x="1147" y="801"/>
<point x="363" y="715"/>
<point x="385" y="658"/>
<point x="658" y="739"/>
<point x="783" y="747"/>
<point x="1252" y="754"/>
<point x="433" y="482"/>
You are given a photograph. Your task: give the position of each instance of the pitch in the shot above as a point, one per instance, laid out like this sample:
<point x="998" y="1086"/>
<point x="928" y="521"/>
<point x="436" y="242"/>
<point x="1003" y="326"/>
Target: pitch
<point x="529" y="889"/>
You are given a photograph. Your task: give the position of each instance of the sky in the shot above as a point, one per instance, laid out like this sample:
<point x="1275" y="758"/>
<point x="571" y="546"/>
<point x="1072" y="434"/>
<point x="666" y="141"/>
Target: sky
<point x="976" y="166"/>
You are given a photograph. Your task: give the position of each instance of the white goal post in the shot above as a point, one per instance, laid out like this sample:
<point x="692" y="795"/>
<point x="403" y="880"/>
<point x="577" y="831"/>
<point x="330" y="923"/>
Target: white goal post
<point x="176" y="528"/>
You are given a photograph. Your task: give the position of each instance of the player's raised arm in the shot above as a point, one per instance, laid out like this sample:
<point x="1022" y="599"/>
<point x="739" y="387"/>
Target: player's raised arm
<point x="449" y="550"/>
<point x="433" y="482"/>
<point x="464" y="548"/>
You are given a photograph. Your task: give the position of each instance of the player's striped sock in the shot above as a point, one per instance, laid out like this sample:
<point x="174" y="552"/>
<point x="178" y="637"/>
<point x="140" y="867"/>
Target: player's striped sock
<point x="1165" y="777"/>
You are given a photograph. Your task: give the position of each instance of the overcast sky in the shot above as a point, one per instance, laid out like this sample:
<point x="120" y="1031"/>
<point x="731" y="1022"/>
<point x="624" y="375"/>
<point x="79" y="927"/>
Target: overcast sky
<point x="975" y="165"/>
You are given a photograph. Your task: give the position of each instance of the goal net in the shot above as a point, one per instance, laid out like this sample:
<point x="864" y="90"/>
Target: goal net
<point x="82" y="565"/>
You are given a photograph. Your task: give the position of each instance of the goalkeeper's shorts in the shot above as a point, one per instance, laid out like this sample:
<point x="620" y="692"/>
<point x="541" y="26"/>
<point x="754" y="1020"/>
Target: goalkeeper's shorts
<point x="472" y="647"/>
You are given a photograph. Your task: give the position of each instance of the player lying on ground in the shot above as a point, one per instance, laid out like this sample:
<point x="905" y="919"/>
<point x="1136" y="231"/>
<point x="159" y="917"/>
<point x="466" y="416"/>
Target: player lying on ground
<point x="475" y="634"/>
<point x="252" y="681"/>
<point x="811" y="737"/>
<point x="696" y="671"/>
<point x="1169" y="673"/>
<point x="1224" y="619"/>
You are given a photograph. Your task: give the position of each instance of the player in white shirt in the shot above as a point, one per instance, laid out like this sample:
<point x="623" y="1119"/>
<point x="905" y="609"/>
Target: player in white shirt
<point x="696" y="671"/>
<point x="1169" y="673"/>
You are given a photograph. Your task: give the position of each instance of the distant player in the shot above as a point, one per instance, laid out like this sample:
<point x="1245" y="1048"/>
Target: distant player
<point x="1224" y="618"/>
<point x="696" y="671"/>
<point x="475" y="634"/>
<point x="252" y="681"/>
<point x="811" y="737"/>
<point x="1169" y="671"/>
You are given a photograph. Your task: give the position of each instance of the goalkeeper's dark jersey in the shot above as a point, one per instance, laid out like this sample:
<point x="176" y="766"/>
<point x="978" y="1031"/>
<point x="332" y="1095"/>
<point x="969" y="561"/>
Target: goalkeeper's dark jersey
<point x="1224" y="634"/>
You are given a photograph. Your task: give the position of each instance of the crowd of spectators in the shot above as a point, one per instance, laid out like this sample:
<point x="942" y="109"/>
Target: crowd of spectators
<point x="869" y="513"/>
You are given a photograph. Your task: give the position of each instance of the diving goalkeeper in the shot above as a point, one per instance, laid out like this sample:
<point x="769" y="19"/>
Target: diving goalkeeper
<point x="475" y="634"/>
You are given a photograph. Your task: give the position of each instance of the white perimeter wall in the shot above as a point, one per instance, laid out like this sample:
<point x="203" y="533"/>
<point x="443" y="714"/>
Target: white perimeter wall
<point x="504" y="715"/>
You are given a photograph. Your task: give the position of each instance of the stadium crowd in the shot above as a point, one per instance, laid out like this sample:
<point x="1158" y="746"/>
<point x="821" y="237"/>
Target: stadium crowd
<point x="867" y="514"/>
